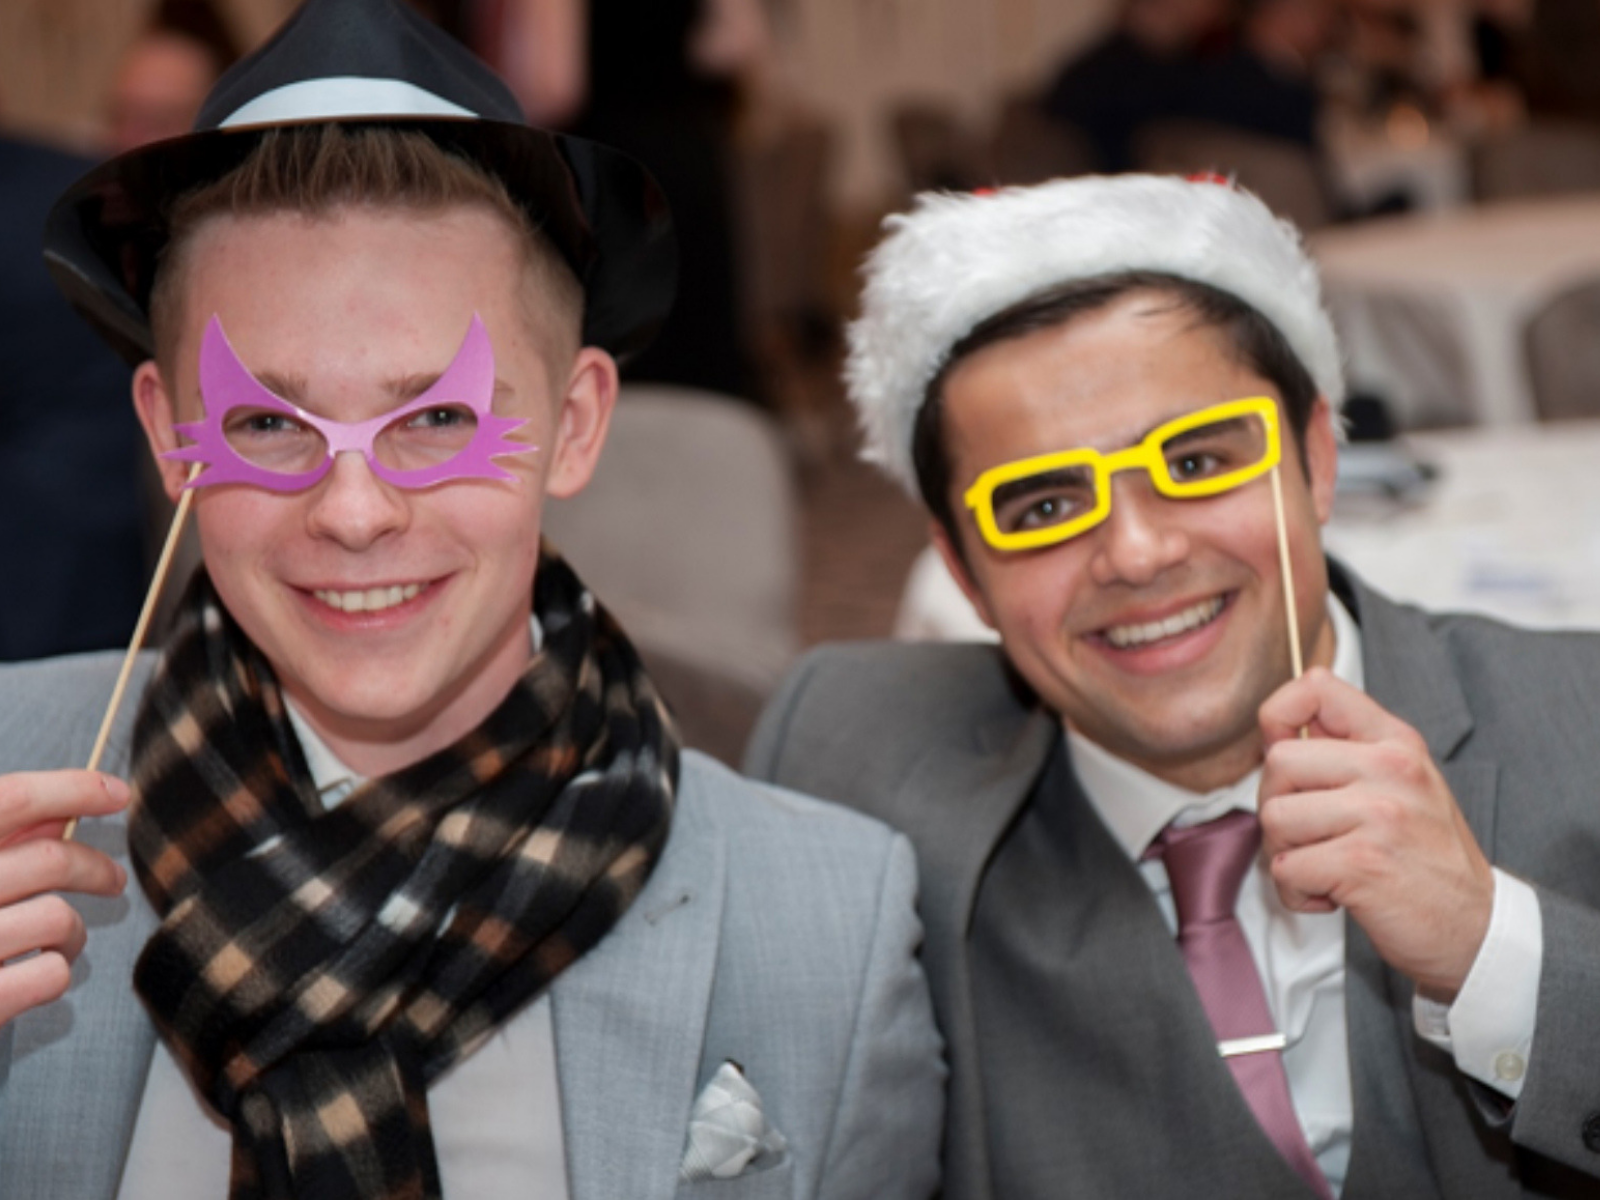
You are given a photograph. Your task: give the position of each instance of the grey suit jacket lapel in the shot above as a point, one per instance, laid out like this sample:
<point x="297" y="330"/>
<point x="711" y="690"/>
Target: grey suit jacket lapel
<point x="630" y="1021"/>
<point x="978" y="787"/>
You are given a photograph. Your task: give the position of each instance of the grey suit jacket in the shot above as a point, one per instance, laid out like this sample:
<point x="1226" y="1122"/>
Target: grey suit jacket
<point x="944" y="742"/>
<point x="775" y="931"/>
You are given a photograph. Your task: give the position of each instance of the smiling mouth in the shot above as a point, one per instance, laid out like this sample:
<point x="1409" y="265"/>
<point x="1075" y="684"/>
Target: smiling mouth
<point x="369" y="599"/>
<point x="1130" y="637"/>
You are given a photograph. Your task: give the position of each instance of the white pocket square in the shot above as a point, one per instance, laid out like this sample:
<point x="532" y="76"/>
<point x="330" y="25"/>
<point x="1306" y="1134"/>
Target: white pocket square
<point x="727" y="1129"/>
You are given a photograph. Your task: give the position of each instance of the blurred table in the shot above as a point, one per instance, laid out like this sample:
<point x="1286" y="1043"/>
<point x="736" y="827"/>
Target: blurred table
<point x="1431" y="307"/>
<point x="1509" y="527"/>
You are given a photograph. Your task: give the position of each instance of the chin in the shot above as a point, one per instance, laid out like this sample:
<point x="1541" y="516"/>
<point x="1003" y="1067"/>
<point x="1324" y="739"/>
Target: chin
<point x="1181" y="735"/>
<point x="363" y="698"/>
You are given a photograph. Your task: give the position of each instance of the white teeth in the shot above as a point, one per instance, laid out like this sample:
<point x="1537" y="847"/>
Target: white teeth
<point x="372" y="600"/>
<point x="1123" y="636"/>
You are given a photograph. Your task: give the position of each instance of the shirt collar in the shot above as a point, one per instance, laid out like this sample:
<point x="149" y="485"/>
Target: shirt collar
<point x="332" y="779"/>
<point x="1136" y="806"/>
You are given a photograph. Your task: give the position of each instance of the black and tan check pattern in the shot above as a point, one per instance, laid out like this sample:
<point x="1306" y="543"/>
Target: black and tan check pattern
<point x="315" y="970"/>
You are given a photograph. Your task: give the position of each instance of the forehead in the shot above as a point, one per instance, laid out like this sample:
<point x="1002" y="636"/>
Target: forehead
<point x="333" y="287"/>
<point x="460" y="247"/>
<point x="1101" y="379"/>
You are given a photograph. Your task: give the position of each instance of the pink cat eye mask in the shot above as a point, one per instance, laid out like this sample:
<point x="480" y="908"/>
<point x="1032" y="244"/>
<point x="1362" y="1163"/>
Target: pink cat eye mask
<point x="252" y="436"/>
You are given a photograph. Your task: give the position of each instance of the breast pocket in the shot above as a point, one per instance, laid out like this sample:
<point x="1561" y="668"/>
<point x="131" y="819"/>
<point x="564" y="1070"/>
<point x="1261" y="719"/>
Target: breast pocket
<point x="771" y="1183"/>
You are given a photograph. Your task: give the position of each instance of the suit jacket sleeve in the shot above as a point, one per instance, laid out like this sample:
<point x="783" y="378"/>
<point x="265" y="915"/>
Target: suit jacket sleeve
<point x="1558" y="1114"/>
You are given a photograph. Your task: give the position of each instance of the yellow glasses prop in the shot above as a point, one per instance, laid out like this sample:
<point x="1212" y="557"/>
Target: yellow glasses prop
<point x="1052" y="497"/>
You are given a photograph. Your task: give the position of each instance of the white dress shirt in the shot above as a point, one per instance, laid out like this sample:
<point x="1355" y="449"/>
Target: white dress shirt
<point x="496" y="1115"/>
<point x="1300" y="956"/>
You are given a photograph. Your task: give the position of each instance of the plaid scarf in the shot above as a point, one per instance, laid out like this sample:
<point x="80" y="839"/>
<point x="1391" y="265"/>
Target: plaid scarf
<point x="315" y="970"/>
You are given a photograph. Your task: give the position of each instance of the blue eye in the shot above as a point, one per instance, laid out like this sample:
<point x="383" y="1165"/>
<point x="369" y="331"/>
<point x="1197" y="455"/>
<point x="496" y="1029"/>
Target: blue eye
<point x="443" y="417"/>
<point x="259" y="422"/>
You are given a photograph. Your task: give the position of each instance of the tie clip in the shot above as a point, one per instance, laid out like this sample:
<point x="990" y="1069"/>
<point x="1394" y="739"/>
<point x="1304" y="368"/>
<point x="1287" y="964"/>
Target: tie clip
<point x="1252" y="1045"/>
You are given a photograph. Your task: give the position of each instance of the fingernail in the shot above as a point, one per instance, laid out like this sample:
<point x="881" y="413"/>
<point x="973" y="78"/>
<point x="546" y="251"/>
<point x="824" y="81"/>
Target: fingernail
<point x="115" y="788"/>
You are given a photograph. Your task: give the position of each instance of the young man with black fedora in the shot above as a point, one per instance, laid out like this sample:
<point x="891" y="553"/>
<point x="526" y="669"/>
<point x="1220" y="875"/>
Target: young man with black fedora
<point x="1199" y="925"/>
<point x="429" y="902"/>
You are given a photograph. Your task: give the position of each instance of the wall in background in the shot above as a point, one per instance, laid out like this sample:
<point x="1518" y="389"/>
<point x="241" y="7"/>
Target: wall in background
<point x="854" y="60"/>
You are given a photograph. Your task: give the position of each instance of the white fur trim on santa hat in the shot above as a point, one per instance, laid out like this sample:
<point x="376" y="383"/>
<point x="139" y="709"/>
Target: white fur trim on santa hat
<point x="957" y="259"/>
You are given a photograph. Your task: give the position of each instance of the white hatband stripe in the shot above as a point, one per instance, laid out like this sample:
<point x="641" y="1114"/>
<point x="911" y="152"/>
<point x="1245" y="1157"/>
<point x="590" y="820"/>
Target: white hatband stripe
<point x="342" y="96"/>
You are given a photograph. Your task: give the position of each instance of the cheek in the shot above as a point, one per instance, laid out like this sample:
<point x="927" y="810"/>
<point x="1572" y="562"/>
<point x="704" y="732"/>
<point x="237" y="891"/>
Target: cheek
<point x="235" y="522"/>
<point x="502" y="521"/>
<point x="1031" y="596"/>
<point x="1242" y="525"/>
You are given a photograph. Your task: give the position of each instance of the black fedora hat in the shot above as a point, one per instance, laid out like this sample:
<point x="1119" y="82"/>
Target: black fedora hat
<point x="371" y="62"/>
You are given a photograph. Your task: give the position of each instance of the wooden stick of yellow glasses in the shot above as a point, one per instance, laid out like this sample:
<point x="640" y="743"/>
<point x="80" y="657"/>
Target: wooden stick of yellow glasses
<point x="1295" y="663"/>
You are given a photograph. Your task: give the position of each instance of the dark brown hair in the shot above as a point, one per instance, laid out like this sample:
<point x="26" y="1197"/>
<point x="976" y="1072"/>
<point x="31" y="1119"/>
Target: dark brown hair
<point x="1254" y="340"/>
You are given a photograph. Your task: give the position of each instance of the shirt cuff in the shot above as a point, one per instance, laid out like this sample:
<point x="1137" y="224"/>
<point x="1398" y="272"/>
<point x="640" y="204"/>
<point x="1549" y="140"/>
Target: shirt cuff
<point x="1489" y="1028"/>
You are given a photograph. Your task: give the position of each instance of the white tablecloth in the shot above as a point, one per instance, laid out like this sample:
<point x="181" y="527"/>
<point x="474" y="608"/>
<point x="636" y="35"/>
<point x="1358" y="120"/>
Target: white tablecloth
<point x="1431" y="307"/>
<point x="1509" y="528"/>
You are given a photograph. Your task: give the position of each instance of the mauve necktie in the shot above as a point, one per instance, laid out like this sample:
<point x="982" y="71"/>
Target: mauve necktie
<point x="1206" y="864"/>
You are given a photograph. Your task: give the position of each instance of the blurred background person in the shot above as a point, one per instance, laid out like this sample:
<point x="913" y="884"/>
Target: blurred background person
<point x="1266" y="82"/>
<point x="663" y="81"/>
<point x="1142" y="70"/>
<point x="165" y="73"/>
<point x="1561" y="68"/>
<point x="71" y="549"/>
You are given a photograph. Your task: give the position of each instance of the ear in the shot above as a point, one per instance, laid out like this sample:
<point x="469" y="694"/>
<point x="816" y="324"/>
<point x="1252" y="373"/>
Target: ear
<point x="959" y="571"/>
<point x="1322" y="458"/>
<point x="155" y="406"/>
<point x="581" y="426"/>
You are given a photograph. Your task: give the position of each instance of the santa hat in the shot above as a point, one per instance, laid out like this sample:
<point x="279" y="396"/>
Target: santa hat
<point x="957" y="259"/>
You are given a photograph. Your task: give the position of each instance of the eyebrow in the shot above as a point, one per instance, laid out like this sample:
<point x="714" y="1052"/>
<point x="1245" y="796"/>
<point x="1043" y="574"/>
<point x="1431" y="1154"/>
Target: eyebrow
<point x="293" y="388"/>
<point x="1028" y="484"/>
<point x="1206" y="430"/>
<point x="1139" y="437"/>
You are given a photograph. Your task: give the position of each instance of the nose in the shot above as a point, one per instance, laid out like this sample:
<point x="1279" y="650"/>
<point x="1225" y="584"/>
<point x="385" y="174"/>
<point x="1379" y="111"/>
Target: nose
<point x="353" y="507"/>
<point x="1139" y="539"/>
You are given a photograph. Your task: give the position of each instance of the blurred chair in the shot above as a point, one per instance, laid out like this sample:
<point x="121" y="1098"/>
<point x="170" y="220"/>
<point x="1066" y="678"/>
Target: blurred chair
<point x="688" y="533"/>
<point x="1541" y="159"/>
<point x="1027" y="145"/>
<point x="1285" y="175"/>
<point x="1563" y="347"/>
<point x="936" y="149"/>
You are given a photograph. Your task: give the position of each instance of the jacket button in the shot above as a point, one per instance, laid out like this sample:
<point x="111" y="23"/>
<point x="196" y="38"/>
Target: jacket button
<point x="1591" y="1132"/>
